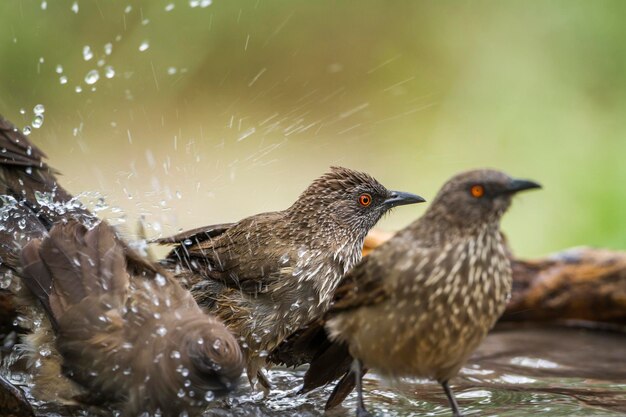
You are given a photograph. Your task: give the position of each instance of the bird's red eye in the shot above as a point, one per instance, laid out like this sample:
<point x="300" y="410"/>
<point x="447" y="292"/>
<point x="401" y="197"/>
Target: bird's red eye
<point x="477" y="191"/>
<point x="365" y="200"/>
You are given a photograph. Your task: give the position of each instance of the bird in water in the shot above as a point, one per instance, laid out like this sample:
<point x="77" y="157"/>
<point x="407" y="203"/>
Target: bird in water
<point x="271" y="273"/>
<point x="421" y="303"/>
<point x="109" y="327"/>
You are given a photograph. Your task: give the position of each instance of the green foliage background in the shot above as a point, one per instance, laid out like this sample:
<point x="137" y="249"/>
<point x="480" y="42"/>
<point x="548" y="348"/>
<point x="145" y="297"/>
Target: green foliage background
<point x="266" y="95"/>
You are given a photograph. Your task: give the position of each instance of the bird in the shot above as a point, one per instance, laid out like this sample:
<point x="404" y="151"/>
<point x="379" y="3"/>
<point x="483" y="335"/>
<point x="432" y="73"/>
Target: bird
<point x="116" y="330"/>
<point x="267" y="275"/>
<point x="421" y="303"/>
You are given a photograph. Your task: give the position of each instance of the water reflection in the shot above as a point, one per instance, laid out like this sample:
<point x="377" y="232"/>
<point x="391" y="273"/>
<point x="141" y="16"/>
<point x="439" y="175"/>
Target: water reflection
<point x="516" y="372"/>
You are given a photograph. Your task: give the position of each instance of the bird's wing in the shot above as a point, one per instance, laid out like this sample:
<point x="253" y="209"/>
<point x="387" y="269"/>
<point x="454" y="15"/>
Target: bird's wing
<point x="244" y="256"/>
<point x="195" y="236"/>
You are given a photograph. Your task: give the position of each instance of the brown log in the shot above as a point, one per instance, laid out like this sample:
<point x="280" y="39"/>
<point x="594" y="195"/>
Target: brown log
<point x="580" y="284"/>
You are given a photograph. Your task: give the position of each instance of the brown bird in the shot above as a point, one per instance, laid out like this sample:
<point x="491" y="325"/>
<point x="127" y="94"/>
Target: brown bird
<point x="421" y="303"/>
<point x="271" y="273"/>
<point x="118" y="330"/>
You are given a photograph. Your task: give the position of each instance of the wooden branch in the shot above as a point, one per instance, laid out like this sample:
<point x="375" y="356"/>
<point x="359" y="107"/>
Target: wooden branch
<point x="581" y="284"/>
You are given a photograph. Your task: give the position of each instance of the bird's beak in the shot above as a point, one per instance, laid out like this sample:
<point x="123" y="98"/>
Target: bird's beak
<point x="517" y="185"/>
<point x="398" y="198"/>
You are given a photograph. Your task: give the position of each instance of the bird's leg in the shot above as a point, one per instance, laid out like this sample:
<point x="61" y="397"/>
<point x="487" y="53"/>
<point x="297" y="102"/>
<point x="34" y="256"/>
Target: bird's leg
<point x="451" y="399"/>
<point x="361" y="411"/>
<point x="264" y="381"/>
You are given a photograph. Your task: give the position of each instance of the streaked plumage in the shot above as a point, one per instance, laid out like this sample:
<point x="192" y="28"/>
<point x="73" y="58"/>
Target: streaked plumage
<point x="422" y="302"/>
<point x="271" y="273"/>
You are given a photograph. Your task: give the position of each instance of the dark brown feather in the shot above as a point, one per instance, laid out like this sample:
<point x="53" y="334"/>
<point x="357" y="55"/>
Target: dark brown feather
<point x="113" y="311"/>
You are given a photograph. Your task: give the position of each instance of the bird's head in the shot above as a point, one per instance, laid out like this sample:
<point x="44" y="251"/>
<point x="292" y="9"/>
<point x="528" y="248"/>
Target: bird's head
<point x="477" y="197"/>
<point x="351" y="199"/>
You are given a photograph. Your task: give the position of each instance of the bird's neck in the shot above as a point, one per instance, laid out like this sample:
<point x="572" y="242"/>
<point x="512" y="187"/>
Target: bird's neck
<point x="435" y="229"/>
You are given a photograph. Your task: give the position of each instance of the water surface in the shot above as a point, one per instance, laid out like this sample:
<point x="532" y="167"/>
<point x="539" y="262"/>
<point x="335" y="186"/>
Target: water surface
<point x="516" y="372"/>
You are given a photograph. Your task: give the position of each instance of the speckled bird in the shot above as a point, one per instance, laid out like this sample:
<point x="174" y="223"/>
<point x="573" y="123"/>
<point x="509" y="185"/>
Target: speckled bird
<point x="420" y="304"/>
<point x="271" y="273"/>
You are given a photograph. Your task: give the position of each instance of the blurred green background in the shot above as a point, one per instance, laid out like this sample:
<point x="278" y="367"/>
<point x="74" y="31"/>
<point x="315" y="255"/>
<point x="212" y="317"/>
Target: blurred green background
<point x="205" y="113"/>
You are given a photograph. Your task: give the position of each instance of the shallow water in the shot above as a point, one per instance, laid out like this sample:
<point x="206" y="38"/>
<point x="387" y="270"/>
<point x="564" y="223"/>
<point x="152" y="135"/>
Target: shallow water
<point x="516" y="372"/>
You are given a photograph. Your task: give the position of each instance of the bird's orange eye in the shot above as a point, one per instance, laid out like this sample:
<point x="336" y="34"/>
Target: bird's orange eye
<point x="365" y="200"/>
<point x="477" y="191"/>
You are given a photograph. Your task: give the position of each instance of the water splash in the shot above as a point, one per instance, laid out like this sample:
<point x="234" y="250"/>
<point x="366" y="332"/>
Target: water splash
<point x="87" y="53"/>
<point x="92" y="77"/>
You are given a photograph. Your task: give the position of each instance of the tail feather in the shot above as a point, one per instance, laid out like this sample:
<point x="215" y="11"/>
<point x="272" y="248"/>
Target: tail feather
<point x="343" y="388"/>
<point x="83" y="263"/>
<point x="328" y="360"/>
<point x="331" y="362"/>
<point x="36" y="276"/>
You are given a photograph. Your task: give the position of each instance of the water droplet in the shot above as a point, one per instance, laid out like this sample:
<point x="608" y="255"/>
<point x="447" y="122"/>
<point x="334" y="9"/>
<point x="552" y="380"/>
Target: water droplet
<point x="160" y="280"/>
<point x="145" y="21"/>
<point x="59" y="69"/>
<point x="100" y="63"/>
<point x="75" y="7"/>
<point x="179" y="195"/>
<point x="22" y="111"/>
<point x="87" y="53"/>
<point x="246" y="134"/>
<point x="175" y="354"/>
<point x="209" y="396"/>
<point x="41" y="60"/>
<point x="38" y="121"/>
<point x="44" y="5"/>
<point x="92" y="77"/>
<point x="45" y="352"/>
<point x="144" y="46"/>
<point x="181" y="393"/>
<point x="169" y="7"/>
<point x="26" y="131"/>
<point x="217" y="344"/>
<point x="161" y="331"/>
<point x="205" y="3"/>
<point x="108" y="48"/>
<point x="39" y="109"/>
<point x="172" y="70"/>
<point x="44" y="199"/>
<point x="109" y="72"/>
<point x="63" y="79"/>
<point x="194" y="3"/>
<point x="78" y="89"/>
<point x="128" y="9"/>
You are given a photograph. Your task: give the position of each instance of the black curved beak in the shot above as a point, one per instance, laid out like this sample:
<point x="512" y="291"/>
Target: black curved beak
<point x="398" y="198"/>
<point x="517" y="185"/>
